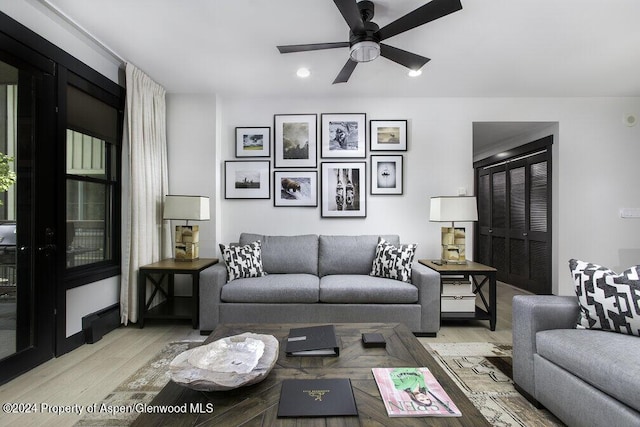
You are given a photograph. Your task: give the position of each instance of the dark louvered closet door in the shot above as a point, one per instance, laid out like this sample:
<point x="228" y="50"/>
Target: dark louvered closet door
<point x="514" y="211"/>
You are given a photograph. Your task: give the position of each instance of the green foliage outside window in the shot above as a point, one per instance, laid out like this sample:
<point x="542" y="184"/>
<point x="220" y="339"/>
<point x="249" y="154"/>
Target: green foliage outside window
<point x="7" y="176"/>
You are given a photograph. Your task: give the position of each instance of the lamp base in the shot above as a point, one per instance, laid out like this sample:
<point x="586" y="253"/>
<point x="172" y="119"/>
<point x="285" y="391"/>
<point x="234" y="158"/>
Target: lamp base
<point x="453" y="245"/>
<point x="187" y="247"/>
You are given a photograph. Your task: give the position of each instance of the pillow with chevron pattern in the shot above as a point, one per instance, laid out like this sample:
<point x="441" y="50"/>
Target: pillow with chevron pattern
<point x="608" y="301"/>
<point x="243" y="261"/>
<point x="393" y="262"/>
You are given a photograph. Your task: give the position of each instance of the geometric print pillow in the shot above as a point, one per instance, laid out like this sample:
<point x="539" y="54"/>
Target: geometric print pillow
<point x="243" y="261"/>
<point x="608" y="301"/>
<point x="393" y="262"/>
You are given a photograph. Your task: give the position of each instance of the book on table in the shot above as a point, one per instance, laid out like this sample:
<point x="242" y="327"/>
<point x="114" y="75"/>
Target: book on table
<point x="317" y="398"/>
<point x="312" y="341"/>
<point x="413" y="392"/>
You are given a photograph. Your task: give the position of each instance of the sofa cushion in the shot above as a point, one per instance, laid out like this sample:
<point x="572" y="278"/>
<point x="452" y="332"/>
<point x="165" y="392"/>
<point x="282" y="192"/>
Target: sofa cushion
<point x="609" y="362"/>
<point x="243" y="261"/>
<point x="348" y="254"/>
<point x="362" y="289"/>
<point x="287" y="254"/>
<point x="274" y="288"/>
<point x="391" y="262"/>
<point x="608" y="300"/>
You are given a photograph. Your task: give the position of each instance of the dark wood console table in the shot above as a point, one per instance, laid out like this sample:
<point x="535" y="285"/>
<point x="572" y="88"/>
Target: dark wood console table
<point x="174" y="307"/>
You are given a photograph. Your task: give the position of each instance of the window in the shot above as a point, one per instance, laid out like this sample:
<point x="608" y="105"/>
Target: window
<point x="92" y="194"/>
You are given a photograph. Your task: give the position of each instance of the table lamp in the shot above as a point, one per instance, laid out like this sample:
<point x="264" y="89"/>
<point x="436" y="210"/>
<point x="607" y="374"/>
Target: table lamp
<point x="187" y="237"/>
<point x="452" y="209"/>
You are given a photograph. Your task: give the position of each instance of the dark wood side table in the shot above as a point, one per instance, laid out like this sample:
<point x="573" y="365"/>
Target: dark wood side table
<point x="471" y="270"/>
<point x="174" y="307"/>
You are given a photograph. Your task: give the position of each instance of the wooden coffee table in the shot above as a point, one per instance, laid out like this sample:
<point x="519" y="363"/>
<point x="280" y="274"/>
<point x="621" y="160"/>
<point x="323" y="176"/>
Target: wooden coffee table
<point x="258" y="404"/>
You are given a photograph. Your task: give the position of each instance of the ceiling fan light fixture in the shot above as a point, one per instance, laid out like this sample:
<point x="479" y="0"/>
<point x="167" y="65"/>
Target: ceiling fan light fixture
<point x="364" y="51"/>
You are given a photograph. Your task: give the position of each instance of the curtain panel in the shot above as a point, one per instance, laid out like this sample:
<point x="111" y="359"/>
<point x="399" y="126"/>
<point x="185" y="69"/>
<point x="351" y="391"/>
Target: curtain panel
<point x="146" y="237"/>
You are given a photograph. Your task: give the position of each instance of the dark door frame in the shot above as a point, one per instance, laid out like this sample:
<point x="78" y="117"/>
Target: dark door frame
<point x="517" y="157"/>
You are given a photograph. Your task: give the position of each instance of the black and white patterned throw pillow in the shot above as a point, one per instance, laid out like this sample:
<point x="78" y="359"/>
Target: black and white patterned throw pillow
<point x="393" y="262"/>
<point x="243" y="261"/>
<point x="608" y="301"/>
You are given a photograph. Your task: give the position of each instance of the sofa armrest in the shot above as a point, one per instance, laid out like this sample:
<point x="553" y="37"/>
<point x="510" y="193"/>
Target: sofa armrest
<point x="212" y="280"/>
<point x="428" y="283"/>
<point x="531" y="314"/>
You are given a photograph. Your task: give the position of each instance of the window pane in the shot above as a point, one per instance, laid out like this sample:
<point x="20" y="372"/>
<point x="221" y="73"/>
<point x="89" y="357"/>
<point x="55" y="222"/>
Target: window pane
<point x="86" y="155"/>
<point x="86" y="223"/>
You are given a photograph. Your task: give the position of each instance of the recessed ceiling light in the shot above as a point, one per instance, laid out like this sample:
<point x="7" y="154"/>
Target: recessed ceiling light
<point x="415" y="73"/>
<point x="303" y="73"/>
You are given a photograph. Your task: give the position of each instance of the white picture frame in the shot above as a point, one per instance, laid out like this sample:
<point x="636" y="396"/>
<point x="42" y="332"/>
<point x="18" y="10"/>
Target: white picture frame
<point x="295" y="140"/>
<point x="253" y="142"/>
<point x="344" y="135"/>
<point x="344" y="190"/>
<point x="295" y="188"/>
<point x="247" y="179"/>
<point x="388" y="135"/>
<point x="387" y="175"/>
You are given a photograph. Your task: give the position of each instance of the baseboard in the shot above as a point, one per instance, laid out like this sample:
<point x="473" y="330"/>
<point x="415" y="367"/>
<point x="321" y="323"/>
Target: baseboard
<point x="95" y="325"/>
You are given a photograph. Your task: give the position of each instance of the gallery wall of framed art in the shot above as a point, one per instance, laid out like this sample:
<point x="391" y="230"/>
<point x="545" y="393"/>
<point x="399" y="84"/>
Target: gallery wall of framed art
<point x="340" y="184"/>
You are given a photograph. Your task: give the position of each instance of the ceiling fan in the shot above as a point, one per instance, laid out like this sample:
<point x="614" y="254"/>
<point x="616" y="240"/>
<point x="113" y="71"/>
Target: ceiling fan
<point x="365" y="36"/>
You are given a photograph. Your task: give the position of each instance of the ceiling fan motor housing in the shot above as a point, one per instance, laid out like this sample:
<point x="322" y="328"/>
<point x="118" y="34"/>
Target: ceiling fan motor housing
<point x="365" y="46"/>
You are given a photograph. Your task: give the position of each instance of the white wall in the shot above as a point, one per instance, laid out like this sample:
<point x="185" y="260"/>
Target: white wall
<point x="191" y="139"/>
<point x="595" y="171"/>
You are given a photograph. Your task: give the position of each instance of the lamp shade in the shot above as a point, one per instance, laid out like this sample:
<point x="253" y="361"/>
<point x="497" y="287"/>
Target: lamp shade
<point x="452" y="209"/>
<point x="186" y="207"/>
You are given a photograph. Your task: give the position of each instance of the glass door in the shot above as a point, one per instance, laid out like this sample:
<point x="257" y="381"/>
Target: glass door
<point x="27" y="250"/>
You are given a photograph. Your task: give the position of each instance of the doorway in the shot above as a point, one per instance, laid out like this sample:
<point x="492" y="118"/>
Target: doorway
<point x="27" y="250"/>
<point x="513" y="234"/>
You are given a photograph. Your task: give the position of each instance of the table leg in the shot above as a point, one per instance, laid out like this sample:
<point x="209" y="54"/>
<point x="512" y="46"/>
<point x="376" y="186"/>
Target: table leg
<point x="195" y="300"/>
<point x="493" y="300"/>
<point x="142" y="297"/>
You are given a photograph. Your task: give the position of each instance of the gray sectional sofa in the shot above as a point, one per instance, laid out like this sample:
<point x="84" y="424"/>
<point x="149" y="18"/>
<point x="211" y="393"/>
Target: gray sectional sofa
<point x="585" y="377"/>
<point x="319" y="279"/>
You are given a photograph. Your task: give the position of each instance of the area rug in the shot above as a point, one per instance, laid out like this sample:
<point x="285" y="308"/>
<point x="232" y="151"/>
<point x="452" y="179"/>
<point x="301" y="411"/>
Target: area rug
<point x="484" y="372"/>
<point x="481" y="370"/>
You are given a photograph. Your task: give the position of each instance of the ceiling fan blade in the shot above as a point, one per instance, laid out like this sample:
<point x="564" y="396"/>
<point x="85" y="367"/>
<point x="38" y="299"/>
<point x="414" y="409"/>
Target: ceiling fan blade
<point x="402" y="57"/>
<point x="351" y="14"/>
<point x="429" y="12"/>
<point x="345" y="73"/>
<point x="314" y="46"/>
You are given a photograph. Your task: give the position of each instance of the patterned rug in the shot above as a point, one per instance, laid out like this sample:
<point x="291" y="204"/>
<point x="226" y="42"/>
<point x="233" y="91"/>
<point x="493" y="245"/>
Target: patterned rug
<point x="484" y="372"/>
<point x="481" y="370"/>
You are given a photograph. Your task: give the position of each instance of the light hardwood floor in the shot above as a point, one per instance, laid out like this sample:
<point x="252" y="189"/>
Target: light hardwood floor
<point x="86" y="375"/>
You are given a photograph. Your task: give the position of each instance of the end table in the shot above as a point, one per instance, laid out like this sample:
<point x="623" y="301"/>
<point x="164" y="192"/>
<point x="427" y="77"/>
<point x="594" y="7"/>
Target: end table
<point x="472" y="270"/>
<point x="174" y="307"/>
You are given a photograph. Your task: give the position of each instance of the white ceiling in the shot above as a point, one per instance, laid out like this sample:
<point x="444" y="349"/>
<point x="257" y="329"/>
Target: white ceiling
<point x="491" y="48"/>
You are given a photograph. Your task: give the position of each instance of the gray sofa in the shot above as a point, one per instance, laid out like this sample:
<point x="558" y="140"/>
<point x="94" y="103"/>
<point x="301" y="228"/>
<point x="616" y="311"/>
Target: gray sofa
<point x="319" y="279"/>
<point x="584" y="377"/>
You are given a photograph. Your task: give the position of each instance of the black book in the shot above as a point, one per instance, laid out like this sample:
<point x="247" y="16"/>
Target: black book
<point x="312" y="341"/>
<point x="317" y="398"/>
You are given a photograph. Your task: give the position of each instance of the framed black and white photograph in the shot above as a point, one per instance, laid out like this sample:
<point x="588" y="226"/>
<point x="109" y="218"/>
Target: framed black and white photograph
<point x="388" y="135"/>
<point x="253" y="142"/>
<point x="247" y="179"/>
<point x="295" y="188"/>
<point x="344" y="192"/>
<point x="344" y="135"/>
<point x="295" y="140"/>
<point x="386" y="174"/>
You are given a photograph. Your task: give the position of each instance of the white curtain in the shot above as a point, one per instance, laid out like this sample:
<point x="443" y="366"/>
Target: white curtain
<point x="146" y="237"/>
